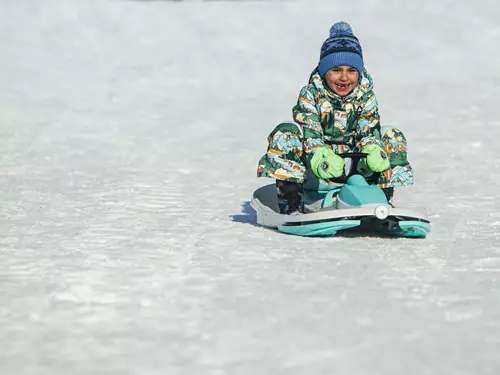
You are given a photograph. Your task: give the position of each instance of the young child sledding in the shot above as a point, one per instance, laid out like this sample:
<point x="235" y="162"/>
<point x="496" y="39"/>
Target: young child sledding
<point x="337" y="112"/>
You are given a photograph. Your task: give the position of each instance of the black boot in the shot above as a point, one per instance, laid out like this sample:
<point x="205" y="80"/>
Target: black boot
<point x="389" y="193"/>
<point x="290" y="197"/>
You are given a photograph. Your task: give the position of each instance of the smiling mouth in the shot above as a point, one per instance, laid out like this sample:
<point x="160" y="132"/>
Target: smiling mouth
<point x="342" y="86"/>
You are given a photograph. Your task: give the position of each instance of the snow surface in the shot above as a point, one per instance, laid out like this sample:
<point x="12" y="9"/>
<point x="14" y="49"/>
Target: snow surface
<point x="129" y="137"/>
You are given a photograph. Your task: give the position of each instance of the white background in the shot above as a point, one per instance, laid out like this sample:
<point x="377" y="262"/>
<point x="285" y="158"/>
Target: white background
<point x="129" y="137"/>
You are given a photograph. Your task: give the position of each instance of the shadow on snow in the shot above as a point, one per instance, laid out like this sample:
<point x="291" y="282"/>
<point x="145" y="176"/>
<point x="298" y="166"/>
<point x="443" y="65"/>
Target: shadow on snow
<point x="247" y="215"/>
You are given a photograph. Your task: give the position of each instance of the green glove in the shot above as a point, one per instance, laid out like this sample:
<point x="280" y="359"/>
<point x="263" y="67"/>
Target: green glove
<point x="327" y="164"/>
<point x="377" y="159"/>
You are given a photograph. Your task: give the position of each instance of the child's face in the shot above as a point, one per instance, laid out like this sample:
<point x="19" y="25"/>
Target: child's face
<point x="342" y="79"/>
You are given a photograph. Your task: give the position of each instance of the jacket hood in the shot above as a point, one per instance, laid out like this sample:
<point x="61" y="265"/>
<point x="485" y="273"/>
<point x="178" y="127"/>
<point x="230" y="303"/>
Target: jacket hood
<point x="364" y="86"/>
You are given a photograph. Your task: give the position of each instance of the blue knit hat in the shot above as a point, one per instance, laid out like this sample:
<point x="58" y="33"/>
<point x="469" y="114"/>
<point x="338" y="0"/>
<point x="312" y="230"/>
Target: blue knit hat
<point x="341" y="48"/>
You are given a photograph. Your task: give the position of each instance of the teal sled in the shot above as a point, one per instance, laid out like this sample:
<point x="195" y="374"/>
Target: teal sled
<point x="356" y="206"/>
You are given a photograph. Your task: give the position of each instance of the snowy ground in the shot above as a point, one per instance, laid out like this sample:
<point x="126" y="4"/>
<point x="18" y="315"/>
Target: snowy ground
<point x="129" y="137"/>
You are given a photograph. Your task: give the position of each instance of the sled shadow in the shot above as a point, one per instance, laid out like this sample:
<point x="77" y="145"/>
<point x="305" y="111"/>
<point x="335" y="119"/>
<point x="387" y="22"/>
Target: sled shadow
<point x="247" y="215"/>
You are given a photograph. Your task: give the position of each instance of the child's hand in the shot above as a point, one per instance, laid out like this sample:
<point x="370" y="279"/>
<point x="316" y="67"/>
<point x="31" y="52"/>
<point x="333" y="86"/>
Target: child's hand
<point x="326" y="164"/>
<point x="377" y="159"/>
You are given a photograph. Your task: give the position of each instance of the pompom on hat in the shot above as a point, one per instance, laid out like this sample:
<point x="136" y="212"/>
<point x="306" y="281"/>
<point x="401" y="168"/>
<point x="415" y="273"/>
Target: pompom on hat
<point x="341" y="48"/>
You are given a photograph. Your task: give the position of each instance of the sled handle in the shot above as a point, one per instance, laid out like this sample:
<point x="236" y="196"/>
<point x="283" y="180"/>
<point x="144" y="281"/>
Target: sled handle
<point x="355" y="157"/>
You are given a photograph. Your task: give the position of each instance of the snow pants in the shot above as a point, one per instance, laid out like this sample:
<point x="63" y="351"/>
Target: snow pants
<point x="284" y="159"/>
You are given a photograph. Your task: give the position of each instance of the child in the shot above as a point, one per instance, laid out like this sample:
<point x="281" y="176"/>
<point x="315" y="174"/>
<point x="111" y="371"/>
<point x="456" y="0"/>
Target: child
<point x="337" y="112"/>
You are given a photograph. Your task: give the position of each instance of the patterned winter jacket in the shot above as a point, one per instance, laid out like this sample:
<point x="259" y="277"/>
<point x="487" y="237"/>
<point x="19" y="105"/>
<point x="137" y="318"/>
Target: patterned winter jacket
<point x="343" y="123"/>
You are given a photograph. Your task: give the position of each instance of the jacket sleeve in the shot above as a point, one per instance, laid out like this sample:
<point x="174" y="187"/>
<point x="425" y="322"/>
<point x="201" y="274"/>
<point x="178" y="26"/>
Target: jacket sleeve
<point x="368" y="128"/>
<point x="307" y="113"/>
